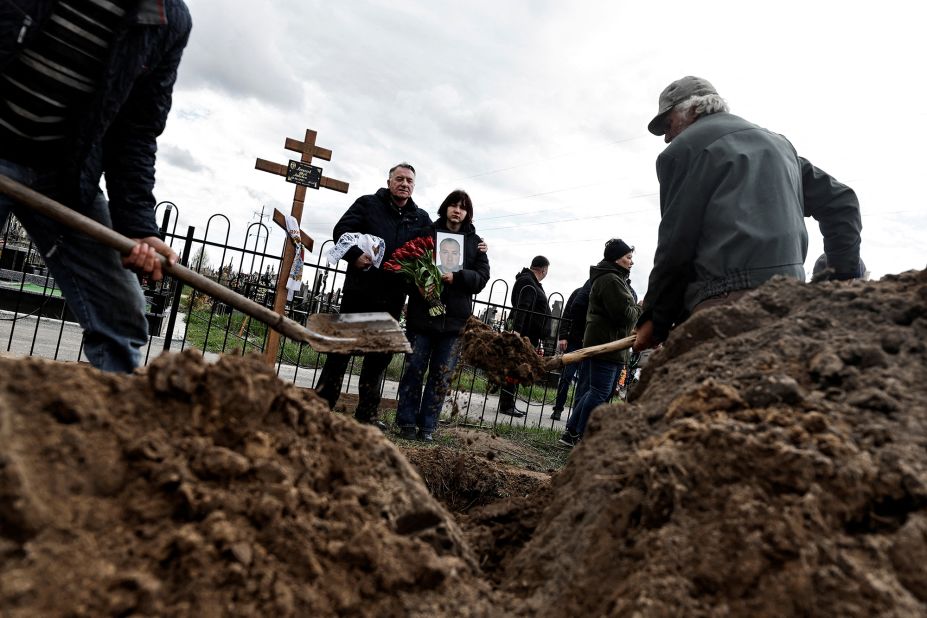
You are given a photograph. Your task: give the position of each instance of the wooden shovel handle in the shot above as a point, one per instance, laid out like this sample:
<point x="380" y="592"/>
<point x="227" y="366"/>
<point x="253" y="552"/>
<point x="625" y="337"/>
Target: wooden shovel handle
<point x="583" y="353"/>
<point x="99" y="232"/>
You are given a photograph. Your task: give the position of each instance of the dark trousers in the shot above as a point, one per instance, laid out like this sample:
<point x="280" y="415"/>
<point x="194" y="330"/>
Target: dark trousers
<point x="328" y="386"/>
<point x="509" y="393"/>
<point x="566" y="379"/>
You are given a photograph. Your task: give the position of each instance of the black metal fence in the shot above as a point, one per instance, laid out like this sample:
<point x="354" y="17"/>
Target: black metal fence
<point x="35" y="320"/>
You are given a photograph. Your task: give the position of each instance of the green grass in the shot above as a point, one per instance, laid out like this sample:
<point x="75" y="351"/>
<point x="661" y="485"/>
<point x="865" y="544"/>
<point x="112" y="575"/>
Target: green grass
<point x="33" y="288"/>
<point x="541" y="441"/>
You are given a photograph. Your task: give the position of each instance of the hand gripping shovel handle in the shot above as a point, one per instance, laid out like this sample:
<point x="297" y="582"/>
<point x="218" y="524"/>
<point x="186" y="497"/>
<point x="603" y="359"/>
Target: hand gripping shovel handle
<point x="575" y="356"/>
<point x="99" y="232"/>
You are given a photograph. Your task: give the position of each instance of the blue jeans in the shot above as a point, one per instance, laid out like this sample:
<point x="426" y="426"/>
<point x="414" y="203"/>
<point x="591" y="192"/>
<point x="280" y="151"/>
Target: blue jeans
<point x="436" y="354"/>
<point x="600" y="376"/>
<point x="106" y="298"/>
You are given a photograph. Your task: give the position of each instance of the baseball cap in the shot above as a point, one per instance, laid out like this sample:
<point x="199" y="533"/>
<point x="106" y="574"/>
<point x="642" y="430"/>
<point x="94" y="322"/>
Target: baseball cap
<point x="673" y="95"/>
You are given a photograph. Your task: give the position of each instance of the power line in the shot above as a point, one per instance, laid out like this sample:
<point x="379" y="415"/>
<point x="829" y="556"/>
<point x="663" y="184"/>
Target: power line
<point x="522" y="225"/>
<point x="546" y="159"/>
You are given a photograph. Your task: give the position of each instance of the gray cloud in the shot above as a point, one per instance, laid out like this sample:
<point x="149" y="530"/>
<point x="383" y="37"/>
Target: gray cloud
<point x="180" y="157"/>
<point x="535" y="108"/>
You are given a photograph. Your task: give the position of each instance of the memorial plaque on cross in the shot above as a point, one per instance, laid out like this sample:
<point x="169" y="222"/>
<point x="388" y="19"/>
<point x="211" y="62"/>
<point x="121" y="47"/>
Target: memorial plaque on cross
<point x="303" y="174"/>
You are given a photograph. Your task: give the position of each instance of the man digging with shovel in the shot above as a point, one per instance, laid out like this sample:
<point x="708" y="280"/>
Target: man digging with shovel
<point x="85" y="88"/>
<point x="733" y="202"/>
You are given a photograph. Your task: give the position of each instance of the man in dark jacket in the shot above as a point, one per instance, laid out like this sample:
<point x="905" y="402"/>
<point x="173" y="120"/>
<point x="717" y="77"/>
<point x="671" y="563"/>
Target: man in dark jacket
<point x="389" y="214"/>
<point x="85" y="88"/>
<point x="572" y="328"/>
<point x="531" y="318"/>
<point x="733" y="198"/>
<point x="611" y="316"/>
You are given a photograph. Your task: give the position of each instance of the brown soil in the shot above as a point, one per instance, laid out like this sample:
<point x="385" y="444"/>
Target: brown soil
<point x="463" y="480"/>
<point x="497" y="505"/>
<point x="503" y="357"/>
<point x="773" y="463"/>
<point x="211" y="490"/>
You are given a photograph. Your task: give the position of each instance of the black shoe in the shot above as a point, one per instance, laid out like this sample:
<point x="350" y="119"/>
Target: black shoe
<point x="407" y="433"/>
<point x="425" y="436"/>
<point x="512" y="412"/>
<point x="555" y="415"/>
<point x="569" y="439"/>
<point x="372" y="422"/>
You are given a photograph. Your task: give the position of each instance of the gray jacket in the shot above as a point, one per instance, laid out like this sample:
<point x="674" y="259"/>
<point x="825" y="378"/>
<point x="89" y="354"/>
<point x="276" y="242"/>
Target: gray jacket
<point x="733" y="198"/>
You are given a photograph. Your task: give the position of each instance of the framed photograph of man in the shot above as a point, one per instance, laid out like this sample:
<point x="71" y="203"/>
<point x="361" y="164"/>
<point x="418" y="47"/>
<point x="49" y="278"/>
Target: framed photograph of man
<point x="450" y="252"/>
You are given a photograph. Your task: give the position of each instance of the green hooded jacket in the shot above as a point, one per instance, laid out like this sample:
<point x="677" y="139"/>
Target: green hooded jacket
<point x="612" y="311"/>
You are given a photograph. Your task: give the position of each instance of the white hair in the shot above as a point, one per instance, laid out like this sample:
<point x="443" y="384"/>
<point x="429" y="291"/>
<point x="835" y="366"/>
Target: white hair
<point x="703" y="105"/>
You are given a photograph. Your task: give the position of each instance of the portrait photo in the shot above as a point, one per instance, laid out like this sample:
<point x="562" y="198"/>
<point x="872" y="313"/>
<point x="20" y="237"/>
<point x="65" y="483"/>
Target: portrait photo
<point x="449" y="252"/>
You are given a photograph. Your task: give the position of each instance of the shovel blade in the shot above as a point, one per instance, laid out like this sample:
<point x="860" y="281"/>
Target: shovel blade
<point x="356" y="333"/>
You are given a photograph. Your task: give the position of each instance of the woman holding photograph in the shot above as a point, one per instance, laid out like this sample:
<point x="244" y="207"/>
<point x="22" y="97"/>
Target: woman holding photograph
<point x="434" y="338"/>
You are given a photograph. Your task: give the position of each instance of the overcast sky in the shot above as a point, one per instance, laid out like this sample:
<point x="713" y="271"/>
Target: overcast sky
<point x="539" y="111"/>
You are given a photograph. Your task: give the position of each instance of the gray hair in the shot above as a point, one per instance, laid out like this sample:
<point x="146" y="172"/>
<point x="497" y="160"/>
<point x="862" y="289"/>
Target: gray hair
<point x="703" y="105"/>
<point x="408" y="166"/>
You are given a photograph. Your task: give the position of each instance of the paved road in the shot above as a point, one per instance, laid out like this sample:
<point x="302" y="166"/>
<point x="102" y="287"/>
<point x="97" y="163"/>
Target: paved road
<point x="56" y="339"/>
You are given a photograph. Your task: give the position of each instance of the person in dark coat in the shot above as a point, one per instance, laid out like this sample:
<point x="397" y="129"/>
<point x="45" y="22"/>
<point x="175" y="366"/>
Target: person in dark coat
<point x="434" y="338"/>
<point x="392" y="215"/>
<point x="612" y="315"/>
<point x="531" y="318"/>
<point x="733" y="203"/>
<point x="572" y="328"/>
<point x="85" y="90"/>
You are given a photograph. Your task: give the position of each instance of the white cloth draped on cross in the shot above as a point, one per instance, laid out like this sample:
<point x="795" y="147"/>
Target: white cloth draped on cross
<point x="373" y="246"/>
<point x="295" y="280"/>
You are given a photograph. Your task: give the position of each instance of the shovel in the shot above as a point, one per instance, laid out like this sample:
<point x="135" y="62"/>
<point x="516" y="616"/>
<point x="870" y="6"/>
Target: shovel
<point x="352" y="333"/>
<point x="557" y="362"/>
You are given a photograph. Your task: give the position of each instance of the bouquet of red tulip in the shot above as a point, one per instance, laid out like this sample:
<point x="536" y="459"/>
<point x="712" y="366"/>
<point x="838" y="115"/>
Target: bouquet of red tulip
<point x="415" y="259"/>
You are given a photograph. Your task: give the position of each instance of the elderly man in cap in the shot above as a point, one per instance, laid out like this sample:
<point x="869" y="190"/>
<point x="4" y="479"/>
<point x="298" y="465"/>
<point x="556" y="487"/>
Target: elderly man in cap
<point x="733" y="199"/>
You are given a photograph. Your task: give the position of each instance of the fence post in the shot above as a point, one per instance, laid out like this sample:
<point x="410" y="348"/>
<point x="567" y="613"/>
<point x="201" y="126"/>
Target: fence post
<point x="178" y="289"/>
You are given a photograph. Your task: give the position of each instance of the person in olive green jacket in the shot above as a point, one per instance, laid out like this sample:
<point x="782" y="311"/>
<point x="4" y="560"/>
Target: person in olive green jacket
<point x="612" y="314"/>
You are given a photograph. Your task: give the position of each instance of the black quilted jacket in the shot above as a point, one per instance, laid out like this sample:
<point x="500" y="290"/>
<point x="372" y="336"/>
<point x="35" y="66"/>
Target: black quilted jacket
<point x="117" y="131"/>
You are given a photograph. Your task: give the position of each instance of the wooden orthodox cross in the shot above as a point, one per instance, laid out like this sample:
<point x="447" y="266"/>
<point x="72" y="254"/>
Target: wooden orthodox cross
<point x="303" y="174"/>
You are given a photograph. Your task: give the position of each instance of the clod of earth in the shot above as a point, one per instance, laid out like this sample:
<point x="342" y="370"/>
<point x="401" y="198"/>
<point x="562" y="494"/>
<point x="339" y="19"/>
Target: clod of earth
<point x="505" y="358"/>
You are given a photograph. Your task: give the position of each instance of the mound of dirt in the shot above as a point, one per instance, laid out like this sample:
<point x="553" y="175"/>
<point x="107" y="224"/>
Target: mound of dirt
<point x="774" y="464"/>
<point x="209" y="490"/>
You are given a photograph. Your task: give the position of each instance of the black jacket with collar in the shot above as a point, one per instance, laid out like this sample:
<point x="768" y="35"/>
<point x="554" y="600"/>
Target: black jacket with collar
<point x="530" y="311"/>
<point x="573" y="324"/>
<point x="376" y="289"/>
